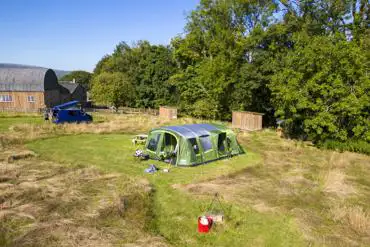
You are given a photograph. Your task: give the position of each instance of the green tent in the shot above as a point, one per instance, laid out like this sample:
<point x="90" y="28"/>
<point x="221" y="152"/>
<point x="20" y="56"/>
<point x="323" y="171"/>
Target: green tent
<point x="192" y="144"/>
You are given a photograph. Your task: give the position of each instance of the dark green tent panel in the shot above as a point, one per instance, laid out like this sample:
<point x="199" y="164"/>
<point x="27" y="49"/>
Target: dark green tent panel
<point x="192" y="144"/>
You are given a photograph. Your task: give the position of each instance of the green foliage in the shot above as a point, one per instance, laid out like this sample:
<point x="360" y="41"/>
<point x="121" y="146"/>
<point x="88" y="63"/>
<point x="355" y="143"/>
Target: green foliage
<point x="357" y="146"/>
<point x="112" y="89"/>
<point x="147" y="68"/>
<point x="322" y="89"/>
<point x="305" y="62"/>
<point x="81" y="77"/>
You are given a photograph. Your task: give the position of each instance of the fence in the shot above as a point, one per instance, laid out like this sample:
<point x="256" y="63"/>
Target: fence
<point x="247" y="120"/>
<point x="20" y="110"/>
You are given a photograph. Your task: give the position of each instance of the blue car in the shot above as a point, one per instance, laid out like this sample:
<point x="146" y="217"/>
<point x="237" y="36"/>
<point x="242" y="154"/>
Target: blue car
<point x="70" y="113"/>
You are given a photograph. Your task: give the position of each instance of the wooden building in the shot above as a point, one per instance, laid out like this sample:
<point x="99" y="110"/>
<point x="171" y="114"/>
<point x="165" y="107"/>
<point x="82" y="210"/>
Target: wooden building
<point x="245" y="120"/>
<point x="168" y="112"/>
<point x="72" y="91"/>
<point x="32" y="89"/>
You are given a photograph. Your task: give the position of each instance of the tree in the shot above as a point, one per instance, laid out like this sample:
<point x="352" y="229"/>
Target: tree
<point x="323" y="89"/>
<point x="147" y="68"/>
<point x="112" y="89"/>
<point x="80" y="76"/>
<point x="213" y="53"/>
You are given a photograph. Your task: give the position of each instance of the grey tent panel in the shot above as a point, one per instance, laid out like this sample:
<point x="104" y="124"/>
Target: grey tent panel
<point x="192" y="130"/>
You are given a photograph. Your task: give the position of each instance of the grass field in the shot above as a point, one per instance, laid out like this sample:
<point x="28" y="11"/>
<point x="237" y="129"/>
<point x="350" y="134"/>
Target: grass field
<point x="280" y="193"/>
<point x="6" y="122"/>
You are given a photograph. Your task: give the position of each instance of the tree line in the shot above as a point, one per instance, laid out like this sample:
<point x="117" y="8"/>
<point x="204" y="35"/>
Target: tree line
<point x="303" y="62"/>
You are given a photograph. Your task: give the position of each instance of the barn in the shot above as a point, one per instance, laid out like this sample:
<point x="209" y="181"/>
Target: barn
<point x="32" y="89"/>
<point x="72" y="91"/>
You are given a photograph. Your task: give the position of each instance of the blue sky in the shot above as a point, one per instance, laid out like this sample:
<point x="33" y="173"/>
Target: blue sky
<point x="75" y="34"/>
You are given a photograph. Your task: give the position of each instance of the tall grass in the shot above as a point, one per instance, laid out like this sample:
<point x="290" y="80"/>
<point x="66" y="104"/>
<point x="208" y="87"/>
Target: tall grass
<point x="357" y="146"/>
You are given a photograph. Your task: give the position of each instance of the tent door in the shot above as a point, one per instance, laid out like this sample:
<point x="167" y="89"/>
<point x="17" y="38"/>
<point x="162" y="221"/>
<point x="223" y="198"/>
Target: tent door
<point x="153" y="144"/>
<point x="169" y="146"/>
<point x="222" y="144"/>
<point x="195" y="146"/>
<point x="209" y="152"/>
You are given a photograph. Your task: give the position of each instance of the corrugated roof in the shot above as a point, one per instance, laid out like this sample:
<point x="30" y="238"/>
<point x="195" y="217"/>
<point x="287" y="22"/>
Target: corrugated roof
<point x="11" y="86"/>
<point x="23" y="79"/>
<point x="193" y="130"/>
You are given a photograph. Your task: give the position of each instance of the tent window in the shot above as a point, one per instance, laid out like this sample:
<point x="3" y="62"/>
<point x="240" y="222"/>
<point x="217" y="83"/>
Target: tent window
<point x="206" y="142"/>
<point x="153" y="142"/>
<point x="194" y="144"/>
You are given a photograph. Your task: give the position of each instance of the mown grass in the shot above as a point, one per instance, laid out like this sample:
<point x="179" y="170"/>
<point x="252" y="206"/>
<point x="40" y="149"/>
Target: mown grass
<point x="281" y="193"/>
<point x="7" y="122"/>
<point x="175" y="213"/>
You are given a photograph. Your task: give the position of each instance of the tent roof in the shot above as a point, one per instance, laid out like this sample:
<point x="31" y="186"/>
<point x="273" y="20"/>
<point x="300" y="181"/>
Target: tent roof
<point x="193" y="130"/>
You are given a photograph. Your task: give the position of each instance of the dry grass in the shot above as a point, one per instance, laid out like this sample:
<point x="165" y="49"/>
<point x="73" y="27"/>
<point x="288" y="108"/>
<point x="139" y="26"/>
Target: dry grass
<point x="21" y="133"/>
<point x="354" y="217"/>
<point x="48" y="204"/>
<point x="304" y="182"/>
<point x="335" y="184"/>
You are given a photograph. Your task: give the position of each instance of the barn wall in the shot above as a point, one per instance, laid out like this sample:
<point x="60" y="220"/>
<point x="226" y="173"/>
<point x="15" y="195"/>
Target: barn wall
<point x="52" y="98"/>
<point x="79" y="94"/>
<point x="20" y="101"/>
<point x="247" y="120"/>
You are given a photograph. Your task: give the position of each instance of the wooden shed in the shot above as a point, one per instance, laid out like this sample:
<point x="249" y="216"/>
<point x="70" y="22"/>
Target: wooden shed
<point x="167" y="112"/>
<point x="247" y="120"/>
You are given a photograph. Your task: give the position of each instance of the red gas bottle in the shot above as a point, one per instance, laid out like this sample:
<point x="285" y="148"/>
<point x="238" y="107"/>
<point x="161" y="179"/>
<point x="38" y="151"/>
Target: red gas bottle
<point x="204" y="223"/>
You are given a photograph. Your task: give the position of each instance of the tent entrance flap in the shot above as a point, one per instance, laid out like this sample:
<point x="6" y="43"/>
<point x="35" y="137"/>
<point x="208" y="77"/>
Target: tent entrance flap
<point x="196" y="156"/>
<point x="169" y="144"/>
<point x="221" y="143"/>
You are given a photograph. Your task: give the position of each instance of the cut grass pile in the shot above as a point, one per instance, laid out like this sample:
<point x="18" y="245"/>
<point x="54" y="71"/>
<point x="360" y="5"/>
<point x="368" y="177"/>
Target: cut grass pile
<point x="48" y="204"/>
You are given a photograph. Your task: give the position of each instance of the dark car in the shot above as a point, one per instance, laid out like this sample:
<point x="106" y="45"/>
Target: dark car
<point x="70" y="113"/>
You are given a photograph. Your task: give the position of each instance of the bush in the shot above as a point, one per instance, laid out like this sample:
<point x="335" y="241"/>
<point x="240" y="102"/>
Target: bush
<point x="357" y="146"/>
